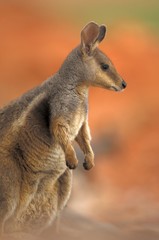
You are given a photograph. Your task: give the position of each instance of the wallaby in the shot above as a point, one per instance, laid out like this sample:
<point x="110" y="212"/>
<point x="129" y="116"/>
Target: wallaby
<point x="36" y="133"/>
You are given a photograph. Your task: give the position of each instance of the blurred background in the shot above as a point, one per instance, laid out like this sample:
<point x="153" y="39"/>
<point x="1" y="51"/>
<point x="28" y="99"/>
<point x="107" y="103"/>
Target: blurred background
<point x="35" y="38"/>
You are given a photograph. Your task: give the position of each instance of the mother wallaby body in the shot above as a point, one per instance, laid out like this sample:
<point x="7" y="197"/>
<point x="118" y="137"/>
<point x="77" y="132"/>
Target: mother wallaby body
<point x="36" y="134"/>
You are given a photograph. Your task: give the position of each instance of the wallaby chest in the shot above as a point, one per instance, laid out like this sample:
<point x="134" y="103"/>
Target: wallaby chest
<point x="76" y="122"/>
<point x="79" y="115"/>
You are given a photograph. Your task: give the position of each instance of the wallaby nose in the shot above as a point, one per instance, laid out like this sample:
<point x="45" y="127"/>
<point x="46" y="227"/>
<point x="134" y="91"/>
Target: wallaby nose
<point x="124" y="84"/>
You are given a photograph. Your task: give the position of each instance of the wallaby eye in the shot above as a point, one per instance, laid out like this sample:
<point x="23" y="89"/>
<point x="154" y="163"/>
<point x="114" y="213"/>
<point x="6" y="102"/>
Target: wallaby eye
<point x="104" y="66"/>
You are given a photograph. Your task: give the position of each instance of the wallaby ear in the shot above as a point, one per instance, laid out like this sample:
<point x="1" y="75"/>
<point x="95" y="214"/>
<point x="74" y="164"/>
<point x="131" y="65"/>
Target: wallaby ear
<point x="91" y="35"/>
<point x="102" y="33"/>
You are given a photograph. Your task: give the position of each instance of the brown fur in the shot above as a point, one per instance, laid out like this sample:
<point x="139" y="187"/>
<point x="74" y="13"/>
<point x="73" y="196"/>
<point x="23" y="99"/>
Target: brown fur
<point x="37" y="130"/>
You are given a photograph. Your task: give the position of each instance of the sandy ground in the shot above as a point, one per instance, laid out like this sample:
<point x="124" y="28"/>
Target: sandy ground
<point x="73" y="226"/>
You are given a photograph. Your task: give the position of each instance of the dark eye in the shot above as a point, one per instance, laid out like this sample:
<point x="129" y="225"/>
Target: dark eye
<point x="104" y="66"/>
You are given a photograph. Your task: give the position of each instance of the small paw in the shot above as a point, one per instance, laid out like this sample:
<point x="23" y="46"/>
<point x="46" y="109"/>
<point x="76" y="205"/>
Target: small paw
<point x="88" y="165"/>
<point x="71" y="165"/>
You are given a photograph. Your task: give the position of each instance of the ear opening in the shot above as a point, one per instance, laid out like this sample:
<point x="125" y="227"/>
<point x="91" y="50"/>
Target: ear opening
<point x="91" y="35"/>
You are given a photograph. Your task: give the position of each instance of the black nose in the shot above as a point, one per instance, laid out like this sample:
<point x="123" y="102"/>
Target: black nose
<point x="124" y="84"/>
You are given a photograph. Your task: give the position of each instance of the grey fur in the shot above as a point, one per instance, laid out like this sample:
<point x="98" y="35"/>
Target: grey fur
<point x="35" y="183"/>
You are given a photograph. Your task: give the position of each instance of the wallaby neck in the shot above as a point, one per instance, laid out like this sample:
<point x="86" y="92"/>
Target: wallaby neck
<point x="70" y="77"/>
<point x="72" y="70"/>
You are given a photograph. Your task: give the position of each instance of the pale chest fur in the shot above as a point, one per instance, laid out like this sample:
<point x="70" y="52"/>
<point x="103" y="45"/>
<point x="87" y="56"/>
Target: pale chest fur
<point x="79" y="116"/>
<point x="76" y="123"/>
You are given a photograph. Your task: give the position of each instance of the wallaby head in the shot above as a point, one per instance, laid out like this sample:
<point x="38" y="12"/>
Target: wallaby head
<point x="101" y="71"/>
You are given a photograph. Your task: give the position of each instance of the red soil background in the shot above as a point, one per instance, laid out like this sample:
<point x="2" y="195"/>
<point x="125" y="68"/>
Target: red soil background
<point x="123" y="187"/>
